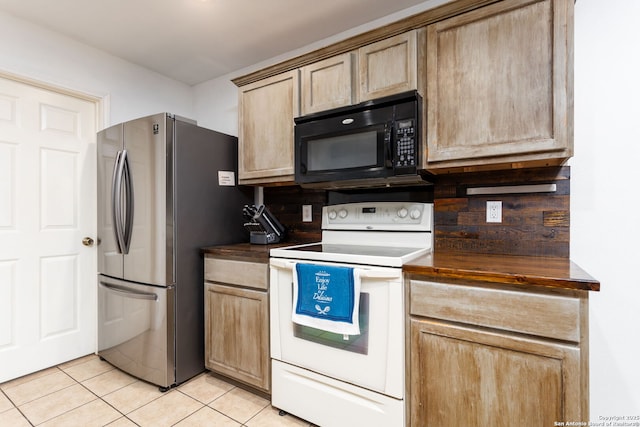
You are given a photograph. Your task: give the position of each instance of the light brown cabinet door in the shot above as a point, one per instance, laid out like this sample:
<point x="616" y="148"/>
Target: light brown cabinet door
<point x="499" y="83"/>
<point x="388" y="67"/>
<point x="237" y="334"/>
<point x="465" y="376"/>
<point x="266" y="111"/>
<point x="327" y="84"/>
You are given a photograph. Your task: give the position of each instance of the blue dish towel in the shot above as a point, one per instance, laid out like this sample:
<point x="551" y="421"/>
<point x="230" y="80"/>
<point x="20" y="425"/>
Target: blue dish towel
<point x="326" y="297"/>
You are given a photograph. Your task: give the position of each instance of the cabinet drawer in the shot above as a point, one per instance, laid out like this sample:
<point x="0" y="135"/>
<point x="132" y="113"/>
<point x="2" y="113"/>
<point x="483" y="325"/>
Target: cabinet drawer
<point x="243" y="273"/>
<point x="546" y="315"/>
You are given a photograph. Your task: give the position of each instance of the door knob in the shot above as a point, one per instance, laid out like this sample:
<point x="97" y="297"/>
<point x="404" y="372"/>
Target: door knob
<point x="87" y="241"/>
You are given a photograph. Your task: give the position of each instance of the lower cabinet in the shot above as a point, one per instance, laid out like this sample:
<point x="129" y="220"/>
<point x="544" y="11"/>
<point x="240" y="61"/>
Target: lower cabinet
<point x="237" y="321"/>
<point x="491" y="356"/>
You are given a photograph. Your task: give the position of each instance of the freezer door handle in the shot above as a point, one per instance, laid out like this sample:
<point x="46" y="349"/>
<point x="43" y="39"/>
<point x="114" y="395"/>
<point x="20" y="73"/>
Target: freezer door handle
<point x="130" y="293"/>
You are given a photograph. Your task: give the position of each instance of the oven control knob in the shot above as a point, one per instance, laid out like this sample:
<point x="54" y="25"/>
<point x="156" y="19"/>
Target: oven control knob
<point x="415" y="213"/>
<point x="332" y="214"/>
<point x="403" y="212"/>
<point x="343" y="213"/>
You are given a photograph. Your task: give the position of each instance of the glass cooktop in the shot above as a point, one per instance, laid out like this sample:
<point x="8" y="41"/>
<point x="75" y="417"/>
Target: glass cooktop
<point x="354" y="250"/>
<point x="357" y="254"/>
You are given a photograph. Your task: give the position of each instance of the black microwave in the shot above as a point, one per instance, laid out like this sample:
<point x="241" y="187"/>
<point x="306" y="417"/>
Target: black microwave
<point x="374" y="143"/>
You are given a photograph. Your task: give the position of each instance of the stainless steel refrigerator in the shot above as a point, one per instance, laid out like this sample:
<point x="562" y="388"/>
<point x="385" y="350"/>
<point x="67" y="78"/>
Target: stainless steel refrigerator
<point x="166" y="188"/>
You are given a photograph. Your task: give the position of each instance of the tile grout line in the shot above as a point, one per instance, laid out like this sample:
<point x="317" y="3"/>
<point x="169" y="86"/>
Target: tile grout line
<point x="119" y="413"/>
<point x="14" y="406"/>
<point x="101" y="399"/>
<point x="207" y="405"/>
<point x="40" y="397"/>
<point x="97" y="398"/>
<point x="75" y="382"/>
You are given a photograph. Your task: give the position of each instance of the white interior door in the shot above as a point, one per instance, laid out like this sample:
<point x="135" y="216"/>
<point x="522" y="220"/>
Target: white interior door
<point x="47" y="206"/>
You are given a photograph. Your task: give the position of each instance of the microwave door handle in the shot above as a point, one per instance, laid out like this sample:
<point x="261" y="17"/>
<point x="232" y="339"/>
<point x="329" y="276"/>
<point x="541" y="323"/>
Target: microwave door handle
<point x="388" y="129"/>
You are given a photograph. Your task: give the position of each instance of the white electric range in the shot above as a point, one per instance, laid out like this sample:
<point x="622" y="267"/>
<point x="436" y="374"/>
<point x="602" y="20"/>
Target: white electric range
<point x="344" y="380"/>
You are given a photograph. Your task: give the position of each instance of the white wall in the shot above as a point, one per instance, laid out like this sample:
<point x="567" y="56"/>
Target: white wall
<point x="216" y="105"/>
<point x="132" y="91"/>
<point x="605" y="232"/>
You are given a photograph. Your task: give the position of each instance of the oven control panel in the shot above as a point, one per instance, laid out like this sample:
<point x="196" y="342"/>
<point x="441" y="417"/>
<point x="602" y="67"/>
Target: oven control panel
<point x="378" y="216"/>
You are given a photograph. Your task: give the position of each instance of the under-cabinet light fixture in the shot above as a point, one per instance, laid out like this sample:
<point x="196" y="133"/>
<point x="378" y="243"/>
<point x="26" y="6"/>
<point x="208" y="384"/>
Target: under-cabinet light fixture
<point x="512" y="189"/>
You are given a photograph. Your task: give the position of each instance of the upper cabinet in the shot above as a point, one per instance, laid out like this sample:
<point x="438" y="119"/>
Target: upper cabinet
<point x="327" y="84"/>
<point x="266" y="109"/>
<point x="499" y="86"/>
<point x="268" y="106"/>
<point x="389" y="66"/>
<point x="496" y="82"/>
<point x="375" y="70"/>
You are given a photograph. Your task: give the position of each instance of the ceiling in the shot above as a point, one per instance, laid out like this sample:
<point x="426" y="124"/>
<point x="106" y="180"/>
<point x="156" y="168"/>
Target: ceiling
<point x="193" y="41"/>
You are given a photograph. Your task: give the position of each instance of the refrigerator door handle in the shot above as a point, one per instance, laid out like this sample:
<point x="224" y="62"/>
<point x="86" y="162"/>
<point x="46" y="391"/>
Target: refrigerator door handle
<point x="128" y="225"/>
<point x="116" y="201"/>
<point x="129" y="293"/>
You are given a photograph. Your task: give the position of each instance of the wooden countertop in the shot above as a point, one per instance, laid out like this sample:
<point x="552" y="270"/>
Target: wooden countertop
<point x="244" y="251"/>
<point x="499" y="269"/>
<point x="503" y="269"/>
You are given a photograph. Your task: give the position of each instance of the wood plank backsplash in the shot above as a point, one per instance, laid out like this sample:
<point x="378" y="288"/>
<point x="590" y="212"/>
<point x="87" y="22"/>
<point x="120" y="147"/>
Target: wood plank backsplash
<point x="533" y="224"/>
<point x="286" y="202"/>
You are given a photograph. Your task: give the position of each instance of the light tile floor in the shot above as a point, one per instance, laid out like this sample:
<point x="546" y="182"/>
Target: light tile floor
<point x="90" y="392"/>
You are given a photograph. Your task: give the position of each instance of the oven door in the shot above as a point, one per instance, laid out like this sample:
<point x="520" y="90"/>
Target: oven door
<point x="373" y="360"/>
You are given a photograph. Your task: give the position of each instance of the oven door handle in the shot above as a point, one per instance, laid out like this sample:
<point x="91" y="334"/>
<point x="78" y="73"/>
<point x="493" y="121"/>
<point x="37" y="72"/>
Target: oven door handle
<point x="364" y="273"/>
<point x="377" y="274"/>
<point x="280" y="263"/>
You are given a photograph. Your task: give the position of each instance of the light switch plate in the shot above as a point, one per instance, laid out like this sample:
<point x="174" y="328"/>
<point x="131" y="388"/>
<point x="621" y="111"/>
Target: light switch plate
<point x="307" y="215"/>
<point x="494" y="211"/>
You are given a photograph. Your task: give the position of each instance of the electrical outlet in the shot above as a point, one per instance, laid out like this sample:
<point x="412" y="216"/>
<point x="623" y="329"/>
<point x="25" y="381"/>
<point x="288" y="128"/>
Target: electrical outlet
<point x="307" y="215"/>
<point x="494" y="211"/>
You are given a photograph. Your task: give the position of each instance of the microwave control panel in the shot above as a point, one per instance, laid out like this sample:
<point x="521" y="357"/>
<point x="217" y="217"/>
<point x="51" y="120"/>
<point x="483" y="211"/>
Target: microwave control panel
<point x="405" y="150"/>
